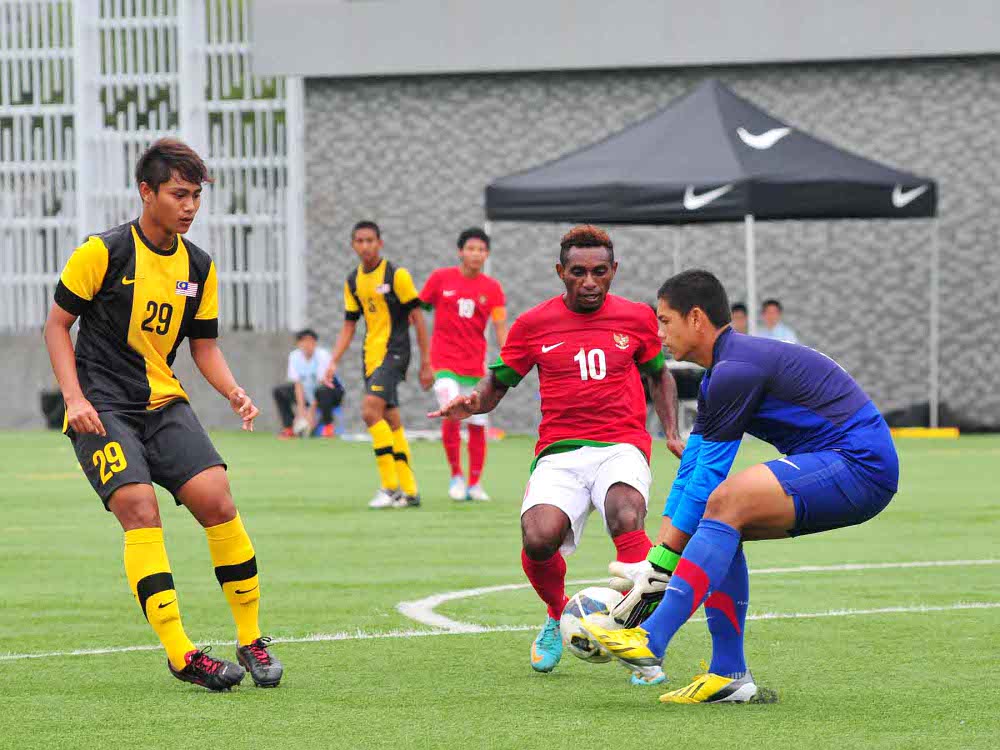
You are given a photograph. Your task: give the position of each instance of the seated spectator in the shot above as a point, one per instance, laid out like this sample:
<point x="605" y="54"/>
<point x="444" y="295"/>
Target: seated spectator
<point x="739" y="316"/>
<point x="304" y="395"/>
<point x="774" y="328"/>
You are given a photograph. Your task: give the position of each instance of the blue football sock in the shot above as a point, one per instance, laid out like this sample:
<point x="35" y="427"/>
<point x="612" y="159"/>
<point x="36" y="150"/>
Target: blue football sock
<point x="702" y="567"/>
<point x="726" y="608"/>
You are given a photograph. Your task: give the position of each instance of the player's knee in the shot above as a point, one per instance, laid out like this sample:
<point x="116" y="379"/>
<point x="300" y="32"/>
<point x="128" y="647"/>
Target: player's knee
<point x="370" y="412"/>
<point x="134" y="512"/>
<point x="625" y="509"/>
<point x="723" y="505"/>
<point x="540" y="541"/>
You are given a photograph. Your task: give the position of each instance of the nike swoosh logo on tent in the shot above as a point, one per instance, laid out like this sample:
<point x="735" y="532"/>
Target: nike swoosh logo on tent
<point x="693" y="202"/>
<point x="901" y="198"/>
<point x="763" y="141"/>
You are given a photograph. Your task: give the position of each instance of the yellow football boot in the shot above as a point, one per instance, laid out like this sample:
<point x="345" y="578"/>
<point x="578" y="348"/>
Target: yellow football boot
<point x="629" y="646"/>
<point x="713" y="688"/>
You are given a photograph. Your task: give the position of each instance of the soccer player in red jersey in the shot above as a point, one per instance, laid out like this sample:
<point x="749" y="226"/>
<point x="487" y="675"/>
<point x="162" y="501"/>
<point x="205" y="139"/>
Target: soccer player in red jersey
<point x="464" y="299"/>
<point x="593" y="449"/>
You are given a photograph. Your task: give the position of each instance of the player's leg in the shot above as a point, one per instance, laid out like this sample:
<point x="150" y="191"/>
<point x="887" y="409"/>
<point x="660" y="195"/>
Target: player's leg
<point x="543" y="529"/>
<point x="183" y="460"/>
<point x="476" y="426"/>
<point x="409" y="495"/>
<point x="373" y="411"/>
<point x="284" y="399"/>
<point x="446" y="389"/>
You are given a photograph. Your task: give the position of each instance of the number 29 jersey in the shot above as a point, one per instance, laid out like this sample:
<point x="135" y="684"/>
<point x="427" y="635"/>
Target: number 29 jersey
<point x="588" y="371"/>
<point x="136" y="304"/>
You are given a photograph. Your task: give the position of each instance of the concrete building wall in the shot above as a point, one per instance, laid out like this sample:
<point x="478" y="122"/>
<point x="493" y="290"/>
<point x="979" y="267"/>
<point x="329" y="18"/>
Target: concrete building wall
<point x="415" y="153"/>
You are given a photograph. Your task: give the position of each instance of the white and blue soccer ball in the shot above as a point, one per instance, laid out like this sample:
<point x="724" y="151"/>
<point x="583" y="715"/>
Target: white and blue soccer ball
<point x="596" y="603"/>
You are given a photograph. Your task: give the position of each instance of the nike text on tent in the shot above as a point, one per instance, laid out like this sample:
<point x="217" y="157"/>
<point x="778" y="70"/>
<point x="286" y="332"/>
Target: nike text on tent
<point x="763" y="141"/>
<point x="902" y="198"/>
<point x="693" y="202"/>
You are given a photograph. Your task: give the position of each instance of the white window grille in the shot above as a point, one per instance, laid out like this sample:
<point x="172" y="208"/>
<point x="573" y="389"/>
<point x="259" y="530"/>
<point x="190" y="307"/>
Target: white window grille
<point x="86" y="85"/>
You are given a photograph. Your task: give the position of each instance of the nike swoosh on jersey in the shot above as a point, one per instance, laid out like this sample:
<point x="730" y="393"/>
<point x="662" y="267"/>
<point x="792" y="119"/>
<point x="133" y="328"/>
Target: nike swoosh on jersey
<point x="902" y="198"/>
<point x="449" y="293"/>
<point x="692" y="201"/>
<point x="126" y="281"/>
<point x="763" y="141"/>
<point x="547" y="349"/>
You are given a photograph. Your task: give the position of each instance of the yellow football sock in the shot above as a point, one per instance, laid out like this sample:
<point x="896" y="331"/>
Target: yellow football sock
<point x="236" y="570"/>
<point x="149" y="577"/>
<point x="382" y="445"/>
<point x="401" y="452"/>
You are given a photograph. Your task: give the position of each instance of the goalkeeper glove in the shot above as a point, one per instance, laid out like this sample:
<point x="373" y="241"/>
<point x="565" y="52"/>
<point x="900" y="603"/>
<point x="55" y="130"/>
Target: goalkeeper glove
<point x="645" y="582"/>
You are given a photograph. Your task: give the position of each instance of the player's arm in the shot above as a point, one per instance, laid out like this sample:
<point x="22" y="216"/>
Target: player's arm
<point x="664" y="392"/>
<point x="423" y="343"/>
<point x="483" y="399"/>
<point x="300" y="399"/>
<point x="406" y="293"/>
<point x="499" y="316"/>
<point x="79" y="283"/>
<point x="352" y="313"/>
<point x="203" y="342"/>
<point x="731" y="399"/>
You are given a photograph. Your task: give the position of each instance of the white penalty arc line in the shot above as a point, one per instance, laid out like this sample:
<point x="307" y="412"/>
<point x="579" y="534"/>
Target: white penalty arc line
<point x="360" y="635"/>
<point x="422" y="610"/>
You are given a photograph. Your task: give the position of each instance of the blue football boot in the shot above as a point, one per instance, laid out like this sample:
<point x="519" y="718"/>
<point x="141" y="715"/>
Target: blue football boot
<point x="547" y="649"/>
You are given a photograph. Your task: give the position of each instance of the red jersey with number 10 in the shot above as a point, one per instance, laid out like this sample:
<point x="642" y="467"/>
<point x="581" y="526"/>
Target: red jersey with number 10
<point x="462" y="308"/>
<point x="588" y="369"/>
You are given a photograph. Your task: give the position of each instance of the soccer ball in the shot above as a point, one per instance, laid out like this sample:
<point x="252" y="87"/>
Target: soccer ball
<point x="597" y="603"/>
<point x="300" y="427"/>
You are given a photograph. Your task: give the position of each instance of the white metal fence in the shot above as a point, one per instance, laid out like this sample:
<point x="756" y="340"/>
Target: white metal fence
<point x="86" y="85"/>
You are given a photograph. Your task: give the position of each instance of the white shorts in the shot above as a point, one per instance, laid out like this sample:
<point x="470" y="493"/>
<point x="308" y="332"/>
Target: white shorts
<point x="578" y="481"/>
<point x="447" y="389"/>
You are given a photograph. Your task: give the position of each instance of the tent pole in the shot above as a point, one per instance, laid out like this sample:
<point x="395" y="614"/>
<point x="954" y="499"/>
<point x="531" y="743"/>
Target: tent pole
<point x="935" y="331"/>
<point x="751" y="276"/>
<point x="677" y="250"/>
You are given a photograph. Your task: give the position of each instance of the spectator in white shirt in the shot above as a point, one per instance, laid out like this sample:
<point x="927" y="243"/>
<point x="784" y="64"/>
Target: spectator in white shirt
<point x="304" y="402"/>
<point x="771" y="312"/>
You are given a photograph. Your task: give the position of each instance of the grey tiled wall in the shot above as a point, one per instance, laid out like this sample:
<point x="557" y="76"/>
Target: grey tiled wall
<point x="415" y="154"/>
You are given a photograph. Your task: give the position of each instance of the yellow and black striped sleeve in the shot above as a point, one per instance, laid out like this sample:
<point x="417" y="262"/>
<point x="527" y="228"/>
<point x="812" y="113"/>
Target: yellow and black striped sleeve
<point x="83" y="276"/>
<point x="405" y="290"/>
<point x="352" y="309"/>
<point x="206" y="321"/>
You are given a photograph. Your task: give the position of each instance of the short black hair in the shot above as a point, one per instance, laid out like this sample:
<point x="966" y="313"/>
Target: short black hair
<point x="738" y="307"/>
<point x="366" y="224"/>
<point x="166" y="156"/>
<point x="299" y="335"/>
<point x="585" y="235"/>
<point x="473" y="233"/>
<point x="772" y="301"/>
<point x="696" y="288"/>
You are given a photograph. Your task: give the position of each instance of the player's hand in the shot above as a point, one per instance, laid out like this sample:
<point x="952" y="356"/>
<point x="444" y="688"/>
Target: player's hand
<point x="645" y="585"/>
<point x="460" y="407"/>
<point x="675" y="444"/>
<point x="83" y="418"/>
<point x="426" y="376"/>
<point x="243" y="406"/>
<point x="328" y="376"/>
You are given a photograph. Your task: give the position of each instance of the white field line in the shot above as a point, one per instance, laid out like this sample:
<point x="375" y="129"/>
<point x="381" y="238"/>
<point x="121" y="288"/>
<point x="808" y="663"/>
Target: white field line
<point x="422" y="610"/>
<point x="360" y="635"/>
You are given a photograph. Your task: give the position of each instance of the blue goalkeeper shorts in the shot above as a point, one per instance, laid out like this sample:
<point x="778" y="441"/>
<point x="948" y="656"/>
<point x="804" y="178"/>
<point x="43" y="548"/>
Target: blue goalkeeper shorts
<point x="837" y="488"/>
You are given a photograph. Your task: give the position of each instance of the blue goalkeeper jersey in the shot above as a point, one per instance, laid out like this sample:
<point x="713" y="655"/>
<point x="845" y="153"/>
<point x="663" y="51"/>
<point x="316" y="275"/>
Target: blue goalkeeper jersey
<point x="793" y="397"/>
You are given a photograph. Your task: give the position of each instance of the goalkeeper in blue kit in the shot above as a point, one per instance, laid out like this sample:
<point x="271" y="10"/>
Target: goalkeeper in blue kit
<point x="839" y="469"/>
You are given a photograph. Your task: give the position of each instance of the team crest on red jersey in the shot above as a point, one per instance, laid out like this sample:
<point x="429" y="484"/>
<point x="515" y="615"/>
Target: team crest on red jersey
<point x="621" y="340"/>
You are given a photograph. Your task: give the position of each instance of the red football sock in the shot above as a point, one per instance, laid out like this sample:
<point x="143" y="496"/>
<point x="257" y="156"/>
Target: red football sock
<point x="477" y="452"/>
<point x="632" y="546"/>
<point x="451" y="436"/>
<point x="548" y="577"/>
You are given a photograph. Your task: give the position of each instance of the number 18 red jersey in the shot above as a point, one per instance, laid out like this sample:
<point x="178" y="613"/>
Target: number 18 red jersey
<point x="588" y="369"/>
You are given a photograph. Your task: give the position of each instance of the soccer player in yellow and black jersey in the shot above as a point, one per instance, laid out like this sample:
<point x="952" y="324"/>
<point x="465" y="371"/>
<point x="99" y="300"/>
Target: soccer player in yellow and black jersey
<point x="387" y="298"/>
<point x="139" y="290"/>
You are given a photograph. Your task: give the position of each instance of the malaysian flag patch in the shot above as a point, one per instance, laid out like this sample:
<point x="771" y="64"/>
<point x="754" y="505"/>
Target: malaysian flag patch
<point x="186" y="289"/>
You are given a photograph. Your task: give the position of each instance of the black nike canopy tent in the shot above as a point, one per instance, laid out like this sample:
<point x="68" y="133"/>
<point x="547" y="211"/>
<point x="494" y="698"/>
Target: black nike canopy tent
<point x="712" y="156"/>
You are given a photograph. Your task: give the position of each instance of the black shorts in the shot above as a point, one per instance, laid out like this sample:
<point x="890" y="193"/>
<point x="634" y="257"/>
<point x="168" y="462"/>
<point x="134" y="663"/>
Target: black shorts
<point x="167" y="446"/>
<point x="385" y="379"/>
